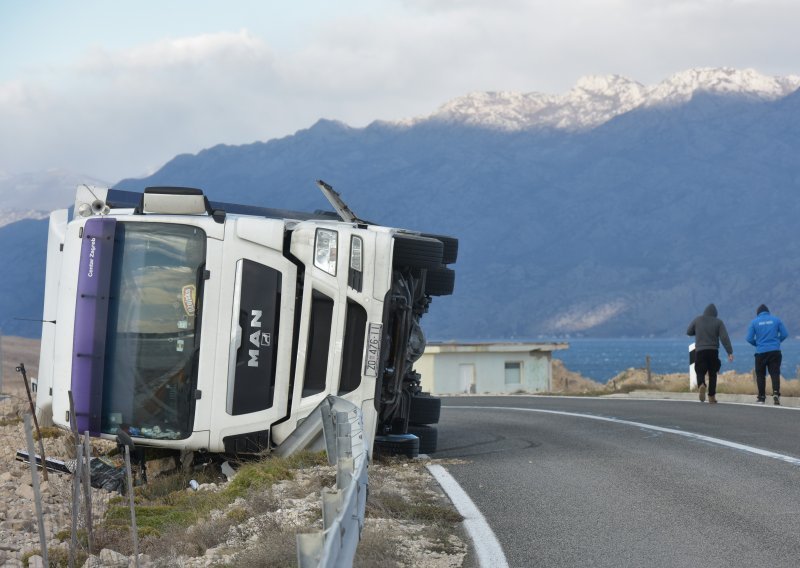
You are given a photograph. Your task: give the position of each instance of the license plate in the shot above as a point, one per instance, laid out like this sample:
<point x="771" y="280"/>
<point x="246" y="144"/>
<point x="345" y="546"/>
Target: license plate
<point x="373" y="357"/>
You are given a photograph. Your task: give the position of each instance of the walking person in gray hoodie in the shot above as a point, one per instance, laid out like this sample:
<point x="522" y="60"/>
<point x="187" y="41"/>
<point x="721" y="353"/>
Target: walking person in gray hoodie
<point x="708" y="331"/>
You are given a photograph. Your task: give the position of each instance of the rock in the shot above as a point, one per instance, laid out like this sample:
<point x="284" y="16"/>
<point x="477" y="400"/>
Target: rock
<point x="5" y="476"/>
<point x="25" y="491"/>
<point x="22" y="525"/>
<point x="160" y="467"/>
<point x="36" y="561"/>
<point x="64" y="447"/>
<point x="112" y="559"/>
<point x="144" y="561"/>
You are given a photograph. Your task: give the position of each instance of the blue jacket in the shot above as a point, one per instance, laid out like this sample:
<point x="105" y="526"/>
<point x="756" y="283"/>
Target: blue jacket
<point x="766" y="332"/>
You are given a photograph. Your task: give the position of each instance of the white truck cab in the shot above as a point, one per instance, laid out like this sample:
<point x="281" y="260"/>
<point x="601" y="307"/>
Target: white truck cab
<point x="215" y="327"/>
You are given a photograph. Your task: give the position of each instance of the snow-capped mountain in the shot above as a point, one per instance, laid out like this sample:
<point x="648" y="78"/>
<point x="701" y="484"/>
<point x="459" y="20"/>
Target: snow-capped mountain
<point x="597" y="99"/>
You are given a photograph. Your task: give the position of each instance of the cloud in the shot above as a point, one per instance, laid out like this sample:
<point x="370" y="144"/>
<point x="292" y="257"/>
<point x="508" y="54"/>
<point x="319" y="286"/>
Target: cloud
<point x="118" y="113"/>
<point x="115" y="113"/>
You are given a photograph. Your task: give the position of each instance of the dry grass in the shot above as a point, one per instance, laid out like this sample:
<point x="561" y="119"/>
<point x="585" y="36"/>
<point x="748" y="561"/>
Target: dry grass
<point x="379" y="548"/>
<point x="406" y="516"/>
<point x="278" y="548"/>
<point x="566" y="381"/>
<point x="18" y="350"/>
<point x="729" y="382"/>
<point x="173" y="521"/>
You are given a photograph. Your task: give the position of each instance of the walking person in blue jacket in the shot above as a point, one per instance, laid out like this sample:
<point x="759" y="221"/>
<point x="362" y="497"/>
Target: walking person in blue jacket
<point x="767" y="332"/>
<point x="709" y="332"/>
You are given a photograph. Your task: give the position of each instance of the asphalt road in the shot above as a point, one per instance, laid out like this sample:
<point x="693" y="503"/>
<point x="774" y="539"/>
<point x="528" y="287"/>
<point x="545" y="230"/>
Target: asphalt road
<point x="562" y="490"/>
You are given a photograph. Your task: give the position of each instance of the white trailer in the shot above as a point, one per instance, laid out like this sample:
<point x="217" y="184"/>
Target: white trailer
<point x="202" y="326"/>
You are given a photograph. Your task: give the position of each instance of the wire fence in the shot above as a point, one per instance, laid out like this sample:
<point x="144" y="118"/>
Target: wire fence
<point x="79" y="510"/>
<point x="48" y="517"/>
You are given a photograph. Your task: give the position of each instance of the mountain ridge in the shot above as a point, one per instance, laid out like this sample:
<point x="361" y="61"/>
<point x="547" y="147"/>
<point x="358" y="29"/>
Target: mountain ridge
<point x="628" y="228"/>
<point x="595" y="99"/>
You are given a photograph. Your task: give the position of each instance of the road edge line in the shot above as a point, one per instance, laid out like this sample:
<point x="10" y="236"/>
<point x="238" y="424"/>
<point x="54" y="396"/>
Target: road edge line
<point x="487" y="548"/>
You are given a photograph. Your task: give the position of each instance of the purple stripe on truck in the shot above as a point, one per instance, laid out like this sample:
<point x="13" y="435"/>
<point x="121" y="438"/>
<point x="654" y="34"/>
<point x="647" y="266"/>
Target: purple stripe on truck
<point x="91" y="315"/>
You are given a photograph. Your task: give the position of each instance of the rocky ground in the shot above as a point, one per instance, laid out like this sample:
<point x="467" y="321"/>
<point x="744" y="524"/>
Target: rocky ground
<point x="18" y="521"/>
<point x="388" y="539"/>
<point x="299" y="511"/>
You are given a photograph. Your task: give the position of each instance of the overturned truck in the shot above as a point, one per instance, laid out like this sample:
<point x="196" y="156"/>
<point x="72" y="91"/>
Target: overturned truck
<point x="213" y="327"/>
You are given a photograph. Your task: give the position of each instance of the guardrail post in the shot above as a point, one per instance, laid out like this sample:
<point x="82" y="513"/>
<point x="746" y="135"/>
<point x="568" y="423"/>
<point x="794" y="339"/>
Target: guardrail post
<point x="309" y="549"/>
<point x="344" y="472"/>
<point x="329" y="429"/>
<point x="331" y="505"/>
<point x="343" y="508"/>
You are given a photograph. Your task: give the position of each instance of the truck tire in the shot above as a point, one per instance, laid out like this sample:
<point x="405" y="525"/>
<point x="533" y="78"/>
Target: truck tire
<point x="428" y="437"/>
<point x="440" y="281"/>
<point x="450" y="250"/>
<point x="397" y="445"/>
<point x="425" y="409"/>
<point x="417" y="252"/>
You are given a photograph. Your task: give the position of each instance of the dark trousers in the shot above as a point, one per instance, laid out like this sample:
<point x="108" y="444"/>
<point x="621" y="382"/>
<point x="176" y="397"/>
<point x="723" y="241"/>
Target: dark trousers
<point x="769" y="361"/>
<point x="707" y="361"/>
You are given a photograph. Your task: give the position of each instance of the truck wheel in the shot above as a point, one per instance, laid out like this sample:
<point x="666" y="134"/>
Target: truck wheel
<point x="428" y="437"/>
<point x="397" y="445"/>
<point x="425" y="409"/>
<point x="440" y="282"/>
<point x="417" y="252"/>
<point x="450" y="251"/>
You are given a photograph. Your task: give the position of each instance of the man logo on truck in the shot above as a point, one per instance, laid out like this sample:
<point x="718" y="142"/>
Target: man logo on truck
<point x="257" y="339"/>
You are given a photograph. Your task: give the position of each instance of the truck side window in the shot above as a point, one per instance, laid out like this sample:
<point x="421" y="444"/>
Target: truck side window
<point x="319" y="340"/>
<point x="353" y="354"/>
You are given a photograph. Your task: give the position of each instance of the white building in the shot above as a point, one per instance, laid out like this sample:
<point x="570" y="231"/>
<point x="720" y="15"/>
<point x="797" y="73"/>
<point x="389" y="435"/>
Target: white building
<point x="448" y="368"/>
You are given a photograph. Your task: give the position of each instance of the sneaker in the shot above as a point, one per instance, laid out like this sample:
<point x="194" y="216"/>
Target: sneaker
<point x="776" y="399"/>
<point x="759" y="400"/>
<point x="712" y="399"/>
<point x="702" y="392"/>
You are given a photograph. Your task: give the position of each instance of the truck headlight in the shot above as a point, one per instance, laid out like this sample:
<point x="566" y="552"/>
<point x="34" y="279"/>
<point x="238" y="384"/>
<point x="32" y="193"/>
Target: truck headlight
<point x="326" y="244"/>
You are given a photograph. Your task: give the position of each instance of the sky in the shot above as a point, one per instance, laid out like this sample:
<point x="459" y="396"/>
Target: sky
<point x="116" y="89"/>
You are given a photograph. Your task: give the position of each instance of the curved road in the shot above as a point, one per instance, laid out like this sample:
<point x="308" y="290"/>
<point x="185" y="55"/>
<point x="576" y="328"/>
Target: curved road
<point x="560" y="488"/>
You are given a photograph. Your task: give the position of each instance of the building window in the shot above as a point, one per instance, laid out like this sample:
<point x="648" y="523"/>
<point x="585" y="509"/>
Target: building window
<point x="513" y="373"/>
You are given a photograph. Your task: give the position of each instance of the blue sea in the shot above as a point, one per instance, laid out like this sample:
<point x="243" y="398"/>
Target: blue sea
<point x="602" y="359"/>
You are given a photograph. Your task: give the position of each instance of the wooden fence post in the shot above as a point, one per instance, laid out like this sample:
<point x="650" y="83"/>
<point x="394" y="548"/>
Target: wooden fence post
<point x="134" y="532"/>
<point x="37" y="495"/>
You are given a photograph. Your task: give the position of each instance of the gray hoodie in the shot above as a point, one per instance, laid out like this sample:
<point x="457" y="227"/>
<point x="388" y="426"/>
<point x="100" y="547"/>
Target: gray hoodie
<point x="709" y="330"/>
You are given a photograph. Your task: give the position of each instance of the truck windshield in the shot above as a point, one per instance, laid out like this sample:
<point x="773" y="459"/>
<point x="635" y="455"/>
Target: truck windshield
<point x="153" y="330"/>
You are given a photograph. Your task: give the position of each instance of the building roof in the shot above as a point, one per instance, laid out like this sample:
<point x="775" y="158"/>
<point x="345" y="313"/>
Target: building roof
<point x="492" y="347"/>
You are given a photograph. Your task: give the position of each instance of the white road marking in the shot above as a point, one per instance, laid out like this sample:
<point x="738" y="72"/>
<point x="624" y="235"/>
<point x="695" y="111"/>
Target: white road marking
<point x="726" y="401"/>
<point x="719" y="441"/>
<point x="487" y="548"/>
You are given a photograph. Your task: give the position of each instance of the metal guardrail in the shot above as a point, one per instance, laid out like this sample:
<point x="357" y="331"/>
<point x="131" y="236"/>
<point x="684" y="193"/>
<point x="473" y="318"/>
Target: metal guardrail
<point x="343" y="508"/>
